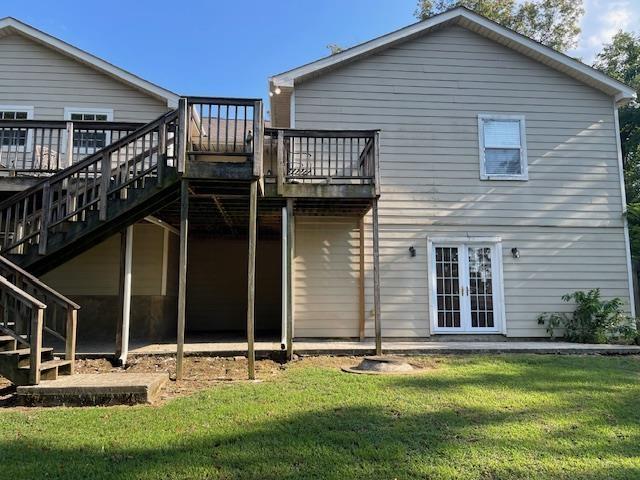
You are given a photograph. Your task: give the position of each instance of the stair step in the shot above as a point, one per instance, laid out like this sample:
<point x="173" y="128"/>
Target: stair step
<point x="50" y="369"/>
<point x="7" y="342"/>
<point x="24" y="352"/>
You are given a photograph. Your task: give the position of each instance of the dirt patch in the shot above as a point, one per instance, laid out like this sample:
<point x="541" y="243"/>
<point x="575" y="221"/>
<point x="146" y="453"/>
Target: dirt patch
<point x="205" y="372"/>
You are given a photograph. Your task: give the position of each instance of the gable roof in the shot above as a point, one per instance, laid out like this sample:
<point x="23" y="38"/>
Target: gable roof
<point x="9" y="25"/>
<point x="472" y="21"/>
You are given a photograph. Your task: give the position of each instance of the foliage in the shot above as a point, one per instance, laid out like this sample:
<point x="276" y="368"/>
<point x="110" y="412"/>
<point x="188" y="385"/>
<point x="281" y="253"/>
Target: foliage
<point x="620" y="59"/>
<point x="594" y="320"/>
<point x="555" y="23"/>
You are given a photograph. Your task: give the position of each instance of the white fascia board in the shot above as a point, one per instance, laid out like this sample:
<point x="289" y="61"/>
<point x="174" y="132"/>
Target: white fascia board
<point x="288" y="78"/>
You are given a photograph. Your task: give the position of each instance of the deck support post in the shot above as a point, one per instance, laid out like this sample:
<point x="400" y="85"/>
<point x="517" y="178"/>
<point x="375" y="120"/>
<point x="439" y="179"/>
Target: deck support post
<point x="376" y="278"/>
<point x="290" y="257"/>
<point x="126" y="260"/>
<point x="361" y="283"/>
<point x="182" y="275"/>
<point x="251" y="278"/>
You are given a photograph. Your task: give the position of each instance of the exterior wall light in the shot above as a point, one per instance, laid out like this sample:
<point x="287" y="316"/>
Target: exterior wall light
<point x="278" y="91"/>
<point x="515" y="252"/>
<point x="412" y="251"/>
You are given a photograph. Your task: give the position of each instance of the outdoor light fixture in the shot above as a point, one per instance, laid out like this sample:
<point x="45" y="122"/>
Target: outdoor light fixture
<point x="278" y="91"/>
<point x="271" y="94"/>
<point x="412" y="251"/>
<point x="515" y="252"/>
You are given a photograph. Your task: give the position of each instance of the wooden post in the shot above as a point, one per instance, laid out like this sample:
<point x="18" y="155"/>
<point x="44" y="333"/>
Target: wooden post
<point x="69" y="146"/>
<point x="71" y="329"/>
<point x="105" y="183"/>
<point x="289" y="273"/>
<point x="126" y="260"/>
<point x="183" y="127"/>
<point x="280" y="166"/>
<point x="251" y="278"/>
<point x="361" y="282"/>
<point x="376" y="278"/>
<point x="44" y="219"/>
<point x="162" y="152"/>
<point x="35" y="352"/>
<point x="182" y="275"/>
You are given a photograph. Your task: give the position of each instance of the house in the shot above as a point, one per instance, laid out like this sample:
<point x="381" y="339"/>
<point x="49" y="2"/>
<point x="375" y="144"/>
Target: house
<point x="452" y="177"/>
<point x="500" y="174"/>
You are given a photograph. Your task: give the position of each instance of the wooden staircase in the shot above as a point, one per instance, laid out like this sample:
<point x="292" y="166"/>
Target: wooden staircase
<point x="67" y="213"/>
<point x="60" y="217"/>
<point x="15" y="363"/>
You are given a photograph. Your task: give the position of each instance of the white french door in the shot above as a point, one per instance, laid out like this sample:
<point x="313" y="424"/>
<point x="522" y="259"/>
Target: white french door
<point x="465" y="281"/>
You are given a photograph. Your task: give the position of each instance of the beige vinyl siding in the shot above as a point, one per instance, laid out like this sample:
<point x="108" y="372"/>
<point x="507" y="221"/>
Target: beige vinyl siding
<point x="97" y="271"/>
<point x="425" y="95"/>
<point x="35" y="75"/>
<point x="326" y="277"/>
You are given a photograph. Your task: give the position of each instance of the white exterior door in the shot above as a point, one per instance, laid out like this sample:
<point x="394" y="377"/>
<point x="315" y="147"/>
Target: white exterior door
<point x="465" y="280"/>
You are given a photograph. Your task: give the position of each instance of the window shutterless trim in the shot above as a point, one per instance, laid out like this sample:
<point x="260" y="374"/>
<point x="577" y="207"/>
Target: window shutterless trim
<point x="524" y="168"/>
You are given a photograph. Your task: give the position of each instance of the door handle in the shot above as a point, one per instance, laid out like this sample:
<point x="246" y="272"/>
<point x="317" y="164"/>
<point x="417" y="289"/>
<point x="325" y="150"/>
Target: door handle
<point x="467" y="287"/>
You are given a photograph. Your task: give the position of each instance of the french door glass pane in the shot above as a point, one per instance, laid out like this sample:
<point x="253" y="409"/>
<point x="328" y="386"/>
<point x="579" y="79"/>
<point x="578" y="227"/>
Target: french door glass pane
<point x="448" y="287"/>
<point x="481" y="287"/>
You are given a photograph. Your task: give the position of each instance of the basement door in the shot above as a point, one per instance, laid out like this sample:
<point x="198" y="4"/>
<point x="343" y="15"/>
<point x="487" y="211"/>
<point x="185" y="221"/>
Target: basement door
<point x="465" y="287"/>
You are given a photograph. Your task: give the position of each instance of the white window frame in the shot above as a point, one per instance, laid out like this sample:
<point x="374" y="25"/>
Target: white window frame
<point x="500" y="326"/>
<point x="19" y="108"/>
<point x="68" y="111"/>
<point x="524" y="167"/>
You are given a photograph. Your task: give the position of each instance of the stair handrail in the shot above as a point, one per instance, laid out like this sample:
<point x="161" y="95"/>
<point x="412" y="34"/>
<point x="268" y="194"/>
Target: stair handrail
<point x="88" y="160"/>
<point x="29" y="214"/>
<point x="51" y="298"/>
<point x="36" y="330"/>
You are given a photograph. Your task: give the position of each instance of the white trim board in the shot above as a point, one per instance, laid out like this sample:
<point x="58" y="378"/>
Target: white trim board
<point x="98" y="111"/>
<point x="10" y="24"/>
<point x="476" y="23"/>
<point x="524" y="164"/>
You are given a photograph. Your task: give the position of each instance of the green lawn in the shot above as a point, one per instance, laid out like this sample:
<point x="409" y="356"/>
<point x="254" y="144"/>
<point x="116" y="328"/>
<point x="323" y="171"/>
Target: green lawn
<point x="484" y="417"/>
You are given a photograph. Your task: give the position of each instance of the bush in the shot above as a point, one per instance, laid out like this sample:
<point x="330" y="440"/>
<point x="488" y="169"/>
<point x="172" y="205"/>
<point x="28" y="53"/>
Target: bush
<point x="593" y="321"/>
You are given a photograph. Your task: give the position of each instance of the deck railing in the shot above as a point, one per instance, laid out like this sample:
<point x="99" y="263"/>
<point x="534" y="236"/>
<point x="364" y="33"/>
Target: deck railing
<point x="23" y="319"/>
<point x="323" y="156"/>
<point x="41" y="147"/>
<point x="28" y="217"/>
<point x="59" y="319"/>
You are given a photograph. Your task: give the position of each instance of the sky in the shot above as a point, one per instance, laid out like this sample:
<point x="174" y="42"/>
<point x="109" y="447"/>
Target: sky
<point x="230" y="47"/>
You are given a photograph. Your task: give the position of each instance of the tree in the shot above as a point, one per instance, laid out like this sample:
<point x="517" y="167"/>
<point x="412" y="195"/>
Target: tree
<point x="555" y="23"/>
<point x="620" y="59"/>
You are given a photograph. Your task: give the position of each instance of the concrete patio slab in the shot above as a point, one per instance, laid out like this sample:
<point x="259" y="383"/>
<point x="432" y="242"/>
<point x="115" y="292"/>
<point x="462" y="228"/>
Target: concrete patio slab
<point x="347" y="347"/>
<point x="94" y="389"/>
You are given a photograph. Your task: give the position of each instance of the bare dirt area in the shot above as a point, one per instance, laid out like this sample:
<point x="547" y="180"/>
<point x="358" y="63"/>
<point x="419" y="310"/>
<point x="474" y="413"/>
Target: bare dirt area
<point x="202" y="372"/>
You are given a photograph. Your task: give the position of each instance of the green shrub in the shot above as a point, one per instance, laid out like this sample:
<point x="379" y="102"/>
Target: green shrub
<point x="593" y="321"/>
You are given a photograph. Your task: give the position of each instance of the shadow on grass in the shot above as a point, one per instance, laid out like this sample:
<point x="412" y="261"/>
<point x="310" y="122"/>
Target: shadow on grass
<point x="359" y="437"/>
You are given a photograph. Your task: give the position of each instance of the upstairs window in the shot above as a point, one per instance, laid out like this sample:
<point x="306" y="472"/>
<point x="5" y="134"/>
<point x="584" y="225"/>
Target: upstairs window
<point x="13" y="137"/>
<point x="503" y="150"/>
<point x="88" y="140"/>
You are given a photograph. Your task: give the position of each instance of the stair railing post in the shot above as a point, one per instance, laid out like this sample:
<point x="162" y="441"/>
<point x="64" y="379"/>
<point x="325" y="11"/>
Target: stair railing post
<point x="44" y="218"/>
<point x="183" y="127"/>
<point x="69" y="152"/>
<point x="70" y="344"/>
<point x="162" y="152"/>
<point x="105" y="181"/>
<point x="280" y="163"/>
<point x="35" y="351"/>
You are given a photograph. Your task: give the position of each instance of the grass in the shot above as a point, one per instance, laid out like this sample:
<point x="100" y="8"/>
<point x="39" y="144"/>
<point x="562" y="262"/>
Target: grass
<point x="472" y="417"/>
